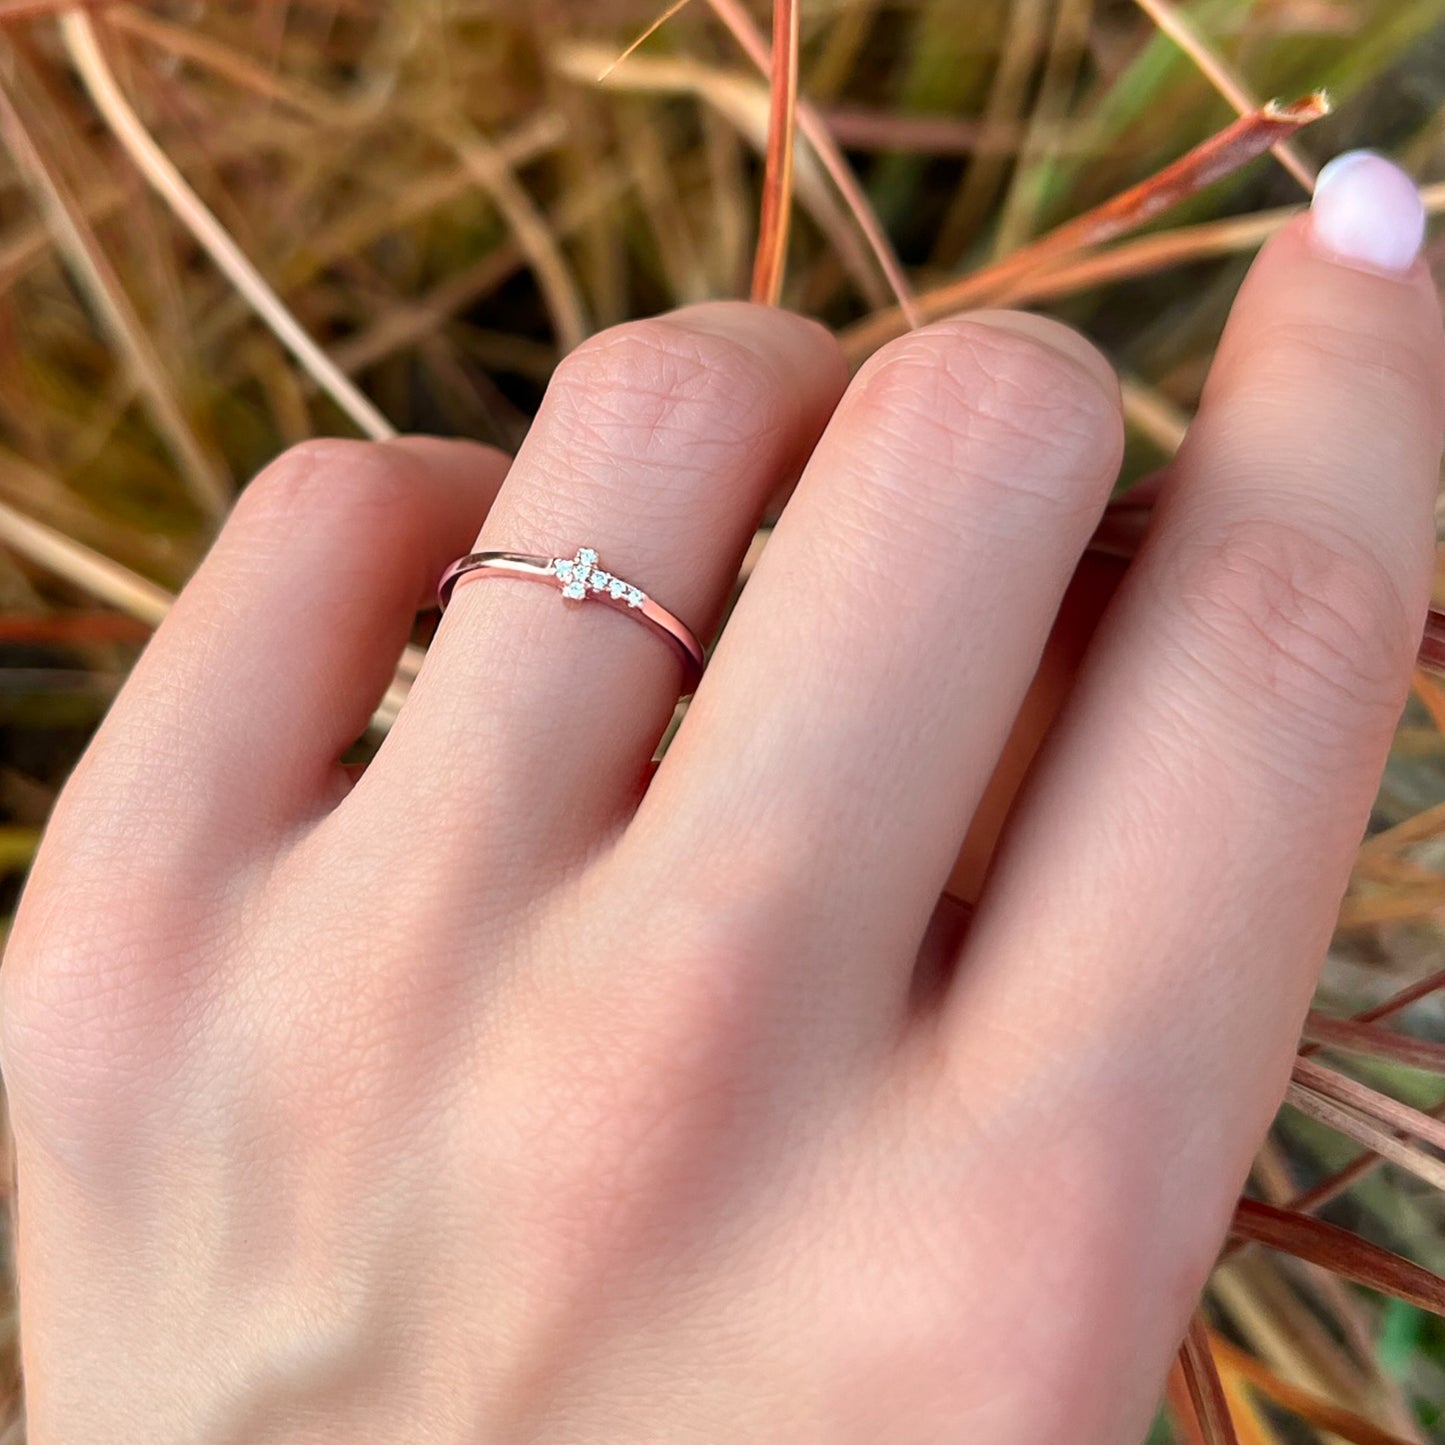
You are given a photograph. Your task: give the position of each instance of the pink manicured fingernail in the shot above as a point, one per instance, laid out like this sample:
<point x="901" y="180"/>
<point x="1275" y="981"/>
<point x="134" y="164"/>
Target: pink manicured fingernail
<point x="1368" y="212"/>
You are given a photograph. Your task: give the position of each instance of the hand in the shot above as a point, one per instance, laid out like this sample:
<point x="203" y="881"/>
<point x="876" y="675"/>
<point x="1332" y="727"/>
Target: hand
<point x="498" y="1095"/>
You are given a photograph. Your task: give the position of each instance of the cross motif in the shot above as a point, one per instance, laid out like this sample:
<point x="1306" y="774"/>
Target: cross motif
<point x="581" y="575"/>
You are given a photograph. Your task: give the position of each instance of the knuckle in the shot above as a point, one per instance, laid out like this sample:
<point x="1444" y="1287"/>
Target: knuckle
<point x="328" y="483"/>
<point x="105" y="986"/>
<point x="86" y="1022"/>
<point x="1310" y="615"/>
<point x="1004" y="408"/>
<point x="1409" y="369"/>
<point x="652" y="387"/>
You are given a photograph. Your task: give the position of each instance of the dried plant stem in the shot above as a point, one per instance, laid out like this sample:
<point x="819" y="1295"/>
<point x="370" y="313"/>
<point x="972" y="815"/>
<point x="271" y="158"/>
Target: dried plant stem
<point x="1181" y="1407"/>
<point x="88" y="264"/>
<point x="1318" y="1195"/>
<point x="12" y="10"/>
<point x="1407" y="997"/>
<point x="738" y="21"/>
<point x="1321" y="1413"/>
<point x="1294" y="1341"/>
<point x="1350" y="1036"/>
<point x="1336" y="1249"/>
<point x="1355" y="1095"/>
<point x="1259" y="1300"/>
<point x="1210" y="161"/>
<point x="1386" y="1143"/>
<point x="744" y="104"/>
<point x="1154" y="415"/>
<point x="775" y="224"/>
<point x="676" y="8"/>
<point x="1043" y="138"/>
<point x="87" y="569"/>
<point x="1207" y="163"/>
<point x="1217" y="71"/>
<point x="240" y="70"/>
<point x="1010" y="88"/>
<point x="1206" y="1391"/>
<point x="1417" y="829"/>
<point x="83" y="45"/>
<point x="137" y="596"/>
<point x="489" y="168"/>
<point x="1181" y="246"/>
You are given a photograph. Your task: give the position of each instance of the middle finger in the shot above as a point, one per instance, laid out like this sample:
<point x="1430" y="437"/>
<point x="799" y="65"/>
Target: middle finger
<point x="873" y="668"/>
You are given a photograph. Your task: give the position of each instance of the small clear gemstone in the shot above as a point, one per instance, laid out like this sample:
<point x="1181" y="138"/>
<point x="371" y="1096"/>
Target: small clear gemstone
<point x="600" y="581"/>
<point x="563" y="569"/>
<point x="586" y="557"/>
<point x="634" y="597"/>
<point x="618" y="588"/>
<point x="575" y="590"/>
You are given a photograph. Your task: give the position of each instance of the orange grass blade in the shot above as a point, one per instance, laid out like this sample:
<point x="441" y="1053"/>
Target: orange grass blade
<point x="1216" y="70"/>
<point x="1420" y="828"/>
<point x="1221" y="155"/>
<point x="1181" y="1407"/>
<point x="1183" y="245"/>
<point x="1336" y="1249"/>
<point x="674" y="9"/>
<point x="1209" y="162"/>
<point x="739" y="23"/>
<point x="777" y="213"/>
<point x="1206" y="1390"/>
<point x="1432" y="696"/>
<point x="1323" y="1414"/>
<point x="1395" y="905"/>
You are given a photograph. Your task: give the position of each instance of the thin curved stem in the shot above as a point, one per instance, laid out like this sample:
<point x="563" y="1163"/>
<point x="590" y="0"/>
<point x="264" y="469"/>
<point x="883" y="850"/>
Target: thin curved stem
<point x="83" y="45"/>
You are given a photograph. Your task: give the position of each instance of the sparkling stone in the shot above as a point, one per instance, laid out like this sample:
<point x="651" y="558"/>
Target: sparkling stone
<point x="581" y="574"/>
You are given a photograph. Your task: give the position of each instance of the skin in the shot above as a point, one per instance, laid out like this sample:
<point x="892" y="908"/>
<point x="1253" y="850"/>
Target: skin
<point x="498" y="1095"/>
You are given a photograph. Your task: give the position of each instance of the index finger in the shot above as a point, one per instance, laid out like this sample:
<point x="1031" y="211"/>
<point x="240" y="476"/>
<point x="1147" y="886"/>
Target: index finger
<point x="1167" y="889"/>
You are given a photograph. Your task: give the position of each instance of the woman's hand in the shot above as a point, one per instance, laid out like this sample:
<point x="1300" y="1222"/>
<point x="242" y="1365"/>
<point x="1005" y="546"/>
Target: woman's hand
<point x="500" y="1096"/>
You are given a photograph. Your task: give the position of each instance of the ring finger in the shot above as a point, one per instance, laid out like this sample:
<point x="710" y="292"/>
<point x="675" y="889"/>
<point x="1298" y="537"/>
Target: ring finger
<point x="658" y="444"/>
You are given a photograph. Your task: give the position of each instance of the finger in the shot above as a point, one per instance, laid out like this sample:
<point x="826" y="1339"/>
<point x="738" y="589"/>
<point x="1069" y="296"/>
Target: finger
<point x="872" y="670"/>
<point x="658" y="445"/>
<point x="1168" y="885"/>
<point x="274" y="656"/>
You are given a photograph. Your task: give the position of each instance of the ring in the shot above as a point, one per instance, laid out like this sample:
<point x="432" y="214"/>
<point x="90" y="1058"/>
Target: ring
<point x="581" y="579"/>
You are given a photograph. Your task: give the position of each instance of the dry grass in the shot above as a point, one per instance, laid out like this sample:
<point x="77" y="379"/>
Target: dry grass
<point x="228" y="226"/>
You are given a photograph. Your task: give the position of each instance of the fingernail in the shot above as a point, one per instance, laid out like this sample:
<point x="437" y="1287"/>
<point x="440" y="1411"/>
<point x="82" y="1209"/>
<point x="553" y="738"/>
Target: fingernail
<point x="1368" y="213"/>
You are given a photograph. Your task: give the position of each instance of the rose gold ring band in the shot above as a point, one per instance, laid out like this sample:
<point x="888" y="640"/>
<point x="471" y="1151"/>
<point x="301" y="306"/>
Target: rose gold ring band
<point x="582" y="579"/>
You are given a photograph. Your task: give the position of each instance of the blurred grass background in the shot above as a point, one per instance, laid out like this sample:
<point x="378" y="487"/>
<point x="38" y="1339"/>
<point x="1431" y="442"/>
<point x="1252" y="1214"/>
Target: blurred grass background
<point x="448" y="194"/>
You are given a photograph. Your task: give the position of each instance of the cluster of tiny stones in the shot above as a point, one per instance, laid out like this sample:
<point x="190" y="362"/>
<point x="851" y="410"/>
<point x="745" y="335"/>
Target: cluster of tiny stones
<point x="581" y="574"/>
